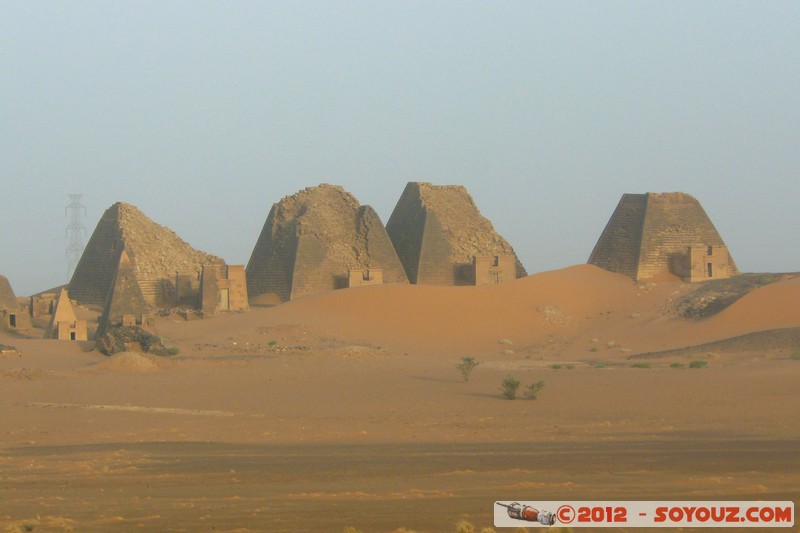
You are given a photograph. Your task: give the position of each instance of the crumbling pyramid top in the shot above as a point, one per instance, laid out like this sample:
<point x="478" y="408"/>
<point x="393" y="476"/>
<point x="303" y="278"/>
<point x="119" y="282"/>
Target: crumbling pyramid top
<point x="158" y="251"/>
<point x="468" y="231"/>
<point x="326" y="212"/>
<point x="311" y="240"/>
<point x="157" y="254"/>
<point x="436" y="229"/>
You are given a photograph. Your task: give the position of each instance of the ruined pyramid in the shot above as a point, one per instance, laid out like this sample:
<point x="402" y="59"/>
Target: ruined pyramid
<point x="652" y="233"/>
<point x="437" y="230"/>
<point x="164" y="268"/>
<point x="313" y="239"/>
<point x="7" y="298"/>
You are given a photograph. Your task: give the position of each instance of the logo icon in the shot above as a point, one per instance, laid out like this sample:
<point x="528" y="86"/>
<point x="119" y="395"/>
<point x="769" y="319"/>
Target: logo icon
<point x="529" y="514"/>
<point x="565" y="514"/>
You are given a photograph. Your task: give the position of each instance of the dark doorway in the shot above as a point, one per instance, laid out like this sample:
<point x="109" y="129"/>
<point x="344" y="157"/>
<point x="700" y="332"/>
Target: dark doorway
<point x="710" y="270"/>
<point x="12" y="320"/>
<point x="72" y="335"/>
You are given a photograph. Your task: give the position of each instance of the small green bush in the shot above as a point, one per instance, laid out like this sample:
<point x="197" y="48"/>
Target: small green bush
<point x="795" y="356"/>
<point x="766" y="279"/>
<point x="593" y="349"/>
<point x="570" y="367"/>
<point x="642" y="365"/>
<point x="509" y="388"/>
<point x="533" y="389"/>
<point x="698" y="363"/>
<point x="677" y="365"/>
<point x="466" y="366"/>
<point x="555" y="367"/>
<point x="464" y="527"/>
<point x="273" y="342"/>
<point x="172" y="350"/>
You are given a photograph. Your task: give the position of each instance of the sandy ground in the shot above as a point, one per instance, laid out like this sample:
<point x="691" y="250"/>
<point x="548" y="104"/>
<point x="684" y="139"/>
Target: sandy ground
<point x="347" y="409"/>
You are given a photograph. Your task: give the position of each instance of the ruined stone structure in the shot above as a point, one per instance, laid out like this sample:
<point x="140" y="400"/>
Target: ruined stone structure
<point x="164" y="267"/>
<point x="313" y="239"/>
<point x="493" y="269"/>
<point x="359" y="278"/>
<point x="438" y="231"/>
<point x="64" y="325"/>
<point x="43" y="304"/>
<point x="12" y="314"/>
<point x="669" y="232"/>
<point x="223" y="288"/>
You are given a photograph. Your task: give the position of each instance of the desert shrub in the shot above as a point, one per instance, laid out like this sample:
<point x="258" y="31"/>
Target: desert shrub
<point x="677" y="365"/>
<point x="466" y="366"/>
<point x="795" y="356"/>
<point x="593" y="349"/>
<point x="699" y="363"/>
<point x="509" y="387"/>
<point x="642" y="365"/>
<point x="555" y="367"/>
<point x="570" y="367"/>
<point x="464" y="527"/>
<point x="273" y="342"/>
<point x="172" y="350"/>
<point x="766" y="279"/>
<point x="533" y="389"/>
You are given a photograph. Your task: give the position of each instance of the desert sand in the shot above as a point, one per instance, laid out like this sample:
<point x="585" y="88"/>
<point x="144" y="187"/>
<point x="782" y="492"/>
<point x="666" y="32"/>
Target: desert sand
<point x="346" y="409"/>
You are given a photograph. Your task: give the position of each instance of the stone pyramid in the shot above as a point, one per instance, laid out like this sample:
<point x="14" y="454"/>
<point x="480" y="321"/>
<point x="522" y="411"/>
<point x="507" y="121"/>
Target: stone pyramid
<point x="312" y="239"/>
<point x="652" y="233"/>
<point x="63" y="312"/>
<point x="125" y="297"/>
<point x="437" y="230"/>
<point x="158" y="257"/>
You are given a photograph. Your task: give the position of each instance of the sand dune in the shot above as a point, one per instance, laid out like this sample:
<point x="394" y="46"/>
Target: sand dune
<point x="572" y="305"/>
<point x="130" y="362"/>
<point x="773" y="306"/>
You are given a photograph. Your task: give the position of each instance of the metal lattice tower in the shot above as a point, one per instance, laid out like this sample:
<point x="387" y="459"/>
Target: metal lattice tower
<point x="75" y="232"/>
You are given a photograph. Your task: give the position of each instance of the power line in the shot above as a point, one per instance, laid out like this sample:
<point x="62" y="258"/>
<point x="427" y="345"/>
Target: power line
<point x="75" y="232"/>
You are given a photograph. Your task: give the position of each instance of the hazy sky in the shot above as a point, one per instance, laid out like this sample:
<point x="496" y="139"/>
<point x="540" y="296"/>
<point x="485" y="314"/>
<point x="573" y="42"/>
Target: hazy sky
<point x="204" y="114"/>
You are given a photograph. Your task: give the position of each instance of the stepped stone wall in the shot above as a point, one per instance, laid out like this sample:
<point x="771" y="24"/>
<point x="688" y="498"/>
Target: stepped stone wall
<point x="653" y="233"/>
<point x="158" y="259"/>
<point x="312" y="239"/>
<point x="438" y="230"/>
<point x="618" y="248"/>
